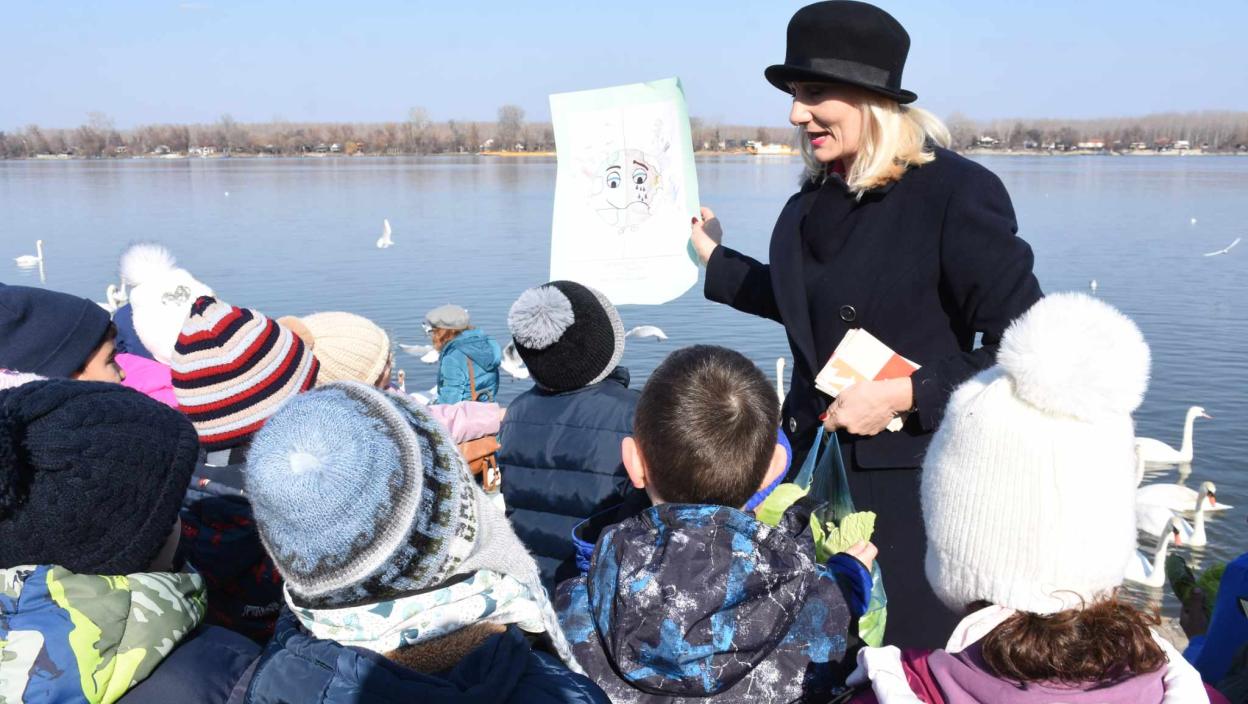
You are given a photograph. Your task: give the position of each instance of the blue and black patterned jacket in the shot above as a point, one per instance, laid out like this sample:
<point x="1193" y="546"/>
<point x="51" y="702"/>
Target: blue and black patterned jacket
<point x="691" y="602"/>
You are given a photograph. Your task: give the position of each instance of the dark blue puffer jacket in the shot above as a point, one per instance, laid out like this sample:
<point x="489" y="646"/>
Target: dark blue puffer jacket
<point x="299" y="668"/>
<point x="560" y="460"/>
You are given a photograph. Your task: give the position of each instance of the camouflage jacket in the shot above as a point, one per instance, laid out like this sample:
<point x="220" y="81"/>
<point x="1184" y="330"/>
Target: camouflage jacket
<point x="690" y="602"/>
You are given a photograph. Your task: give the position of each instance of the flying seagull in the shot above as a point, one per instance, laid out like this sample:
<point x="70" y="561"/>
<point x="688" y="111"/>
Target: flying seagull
<point x="1224" y="250"/>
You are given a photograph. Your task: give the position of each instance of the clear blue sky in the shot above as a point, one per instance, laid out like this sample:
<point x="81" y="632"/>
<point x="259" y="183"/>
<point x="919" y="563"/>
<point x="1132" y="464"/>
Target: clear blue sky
<point x="194" y="60"/>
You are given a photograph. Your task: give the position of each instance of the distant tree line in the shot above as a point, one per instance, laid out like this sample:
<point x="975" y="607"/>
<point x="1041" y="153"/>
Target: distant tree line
<point x="1212" y="131"/>
<point x="99" y="137"/>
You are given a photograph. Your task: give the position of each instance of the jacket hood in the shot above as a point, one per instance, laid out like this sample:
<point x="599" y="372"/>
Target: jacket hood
<point x="478" y="347"/>
<point x="738" y="585"/>
<point x="72" y="637"/>
<point x="298" y="666"/>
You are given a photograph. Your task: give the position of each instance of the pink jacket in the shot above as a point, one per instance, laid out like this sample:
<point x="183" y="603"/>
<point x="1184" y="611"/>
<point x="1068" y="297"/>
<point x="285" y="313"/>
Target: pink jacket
<point x="466" y="420"/>
<point x="148" y="377"/>
<point x="957" y="675"/>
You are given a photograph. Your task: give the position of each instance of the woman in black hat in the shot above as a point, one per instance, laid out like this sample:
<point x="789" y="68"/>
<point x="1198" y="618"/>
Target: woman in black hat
<point x="893" y="233"/>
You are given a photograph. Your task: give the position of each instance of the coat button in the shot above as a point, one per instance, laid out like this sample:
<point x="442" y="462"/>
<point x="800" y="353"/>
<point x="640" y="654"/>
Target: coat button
<point x="792" y="425"/>
<point x="848" y="314"/>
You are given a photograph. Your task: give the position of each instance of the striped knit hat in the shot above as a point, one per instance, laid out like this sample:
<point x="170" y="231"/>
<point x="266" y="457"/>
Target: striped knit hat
<point x="232" y="368"/>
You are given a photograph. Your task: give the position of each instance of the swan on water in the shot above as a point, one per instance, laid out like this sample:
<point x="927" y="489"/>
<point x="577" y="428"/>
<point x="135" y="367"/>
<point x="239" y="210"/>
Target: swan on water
<point x="1152" y="572"/>
<point x="27" y="261"/>
<point x="1093" y="285"/>
<point x="1224" y="250"/>
<point x="385" y="240"/>
<point x="780" y="378"/>
<point x="512" y="362"/>
<point x="1151" y="519"/>
<point x="1157" y="452"/>
<point x="647" y="331"/>
<point x="427" y="353"/>
<point x="114" y="297"/>
<point x="1181" y="499"/>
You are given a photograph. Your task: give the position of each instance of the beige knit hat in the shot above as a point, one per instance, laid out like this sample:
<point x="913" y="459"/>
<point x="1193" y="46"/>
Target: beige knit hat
<point x="348" y="346"/>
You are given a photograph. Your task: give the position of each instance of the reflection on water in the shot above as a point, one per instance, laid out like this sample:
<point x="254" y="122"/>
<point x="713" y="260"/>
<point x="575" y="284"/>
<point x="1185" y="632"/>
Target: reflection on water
<point x="296" y="236"/>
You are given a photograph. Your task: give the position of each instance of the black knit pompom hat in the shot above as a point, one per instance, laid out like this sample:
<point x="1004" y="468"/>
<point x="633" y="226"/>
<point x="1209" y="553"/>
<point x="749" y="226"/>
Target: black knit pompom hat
<point x="91" y="475"/>
<point x="568" y="335"/>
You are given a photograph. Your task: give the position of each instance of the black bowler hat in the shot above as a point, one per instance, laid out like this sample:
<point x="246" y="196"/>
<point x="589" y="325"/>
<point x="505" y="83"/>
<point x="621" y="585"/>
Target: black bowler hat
<point x="843" y="41"/>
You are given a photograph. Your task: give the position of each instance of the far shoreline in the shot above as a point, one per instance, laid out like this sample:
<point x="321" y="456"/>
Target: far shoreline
<point x="552" y="154"/>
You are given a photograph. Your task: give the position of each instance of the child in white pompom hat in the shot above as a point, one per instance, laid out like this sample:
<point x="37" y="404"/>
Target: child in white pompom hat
<point x="1028" y="493"/>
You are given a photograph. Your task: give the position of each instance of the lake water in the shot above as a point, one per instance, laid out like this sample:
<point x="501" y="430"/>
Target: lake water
<point x="296" y="236"/>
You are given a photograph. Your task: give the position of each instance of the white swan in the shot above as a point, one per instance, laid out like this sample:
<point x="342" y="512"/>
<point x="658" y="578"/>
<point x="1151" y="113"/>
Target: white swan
<point x="1157" y="452"/>
<point x="1152" y="573"/>
<point x="385" y="240"/>
<point x="780" y="378"/>
<point x="1093" y="285"/>
<point x="27" y="261"/>
<point x="427" y="353"/>
<point x="1181" y="499"/>
<point x="1151" y="520"/>
<point x="647" y="331"/>
<point x="512" y="362"/>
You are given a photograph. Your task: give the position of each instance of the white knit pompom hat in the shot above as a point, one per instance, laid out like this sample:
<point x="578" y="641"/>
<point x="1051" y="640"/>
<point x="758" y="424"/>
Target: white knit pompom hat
<point x="1029" y="483"/>
<point x="161" y="294"/>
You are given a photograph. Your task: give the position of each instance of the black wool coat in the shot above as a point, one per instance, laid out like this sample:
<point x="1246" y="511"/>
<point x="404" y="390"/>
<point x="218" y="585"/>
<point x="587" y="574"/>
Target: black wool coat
<point x="928" y="261"/>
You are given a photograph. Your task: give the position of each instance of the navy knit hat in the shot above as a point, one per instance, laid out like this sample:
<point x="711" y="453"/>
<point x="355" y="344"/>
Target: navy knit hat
<point x="91" y="475"/>
<point x="48" y="333"/>
<point x="568" y="334"/>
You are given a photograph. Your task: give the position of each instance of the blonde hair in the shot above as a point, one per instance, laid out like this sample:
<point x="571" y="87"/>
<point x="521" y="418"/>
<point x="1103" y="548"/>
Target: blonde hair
<point x="894" y="138"/>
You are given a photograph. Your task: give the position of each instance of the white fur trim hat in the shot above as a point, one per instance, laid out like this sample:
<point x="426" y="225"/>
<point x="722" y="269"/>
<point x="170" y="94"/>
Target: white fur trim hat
<point x="161" y="294"/>
<point x="1028" y="487"/>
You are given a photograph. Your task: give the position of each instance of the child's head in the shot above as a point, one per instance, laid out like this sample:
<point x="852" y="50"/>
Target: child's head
<point x="161" y="294"/>
<point x="1028" y="490"/>
<point x="361" y="496"/>
<point x="91" y="477"/>
<point x="232" y="368"/>
<point x="55" y="334"/>
<point x="705" y="430"/>
<point x="348" y="346"/>
<point x="569" y="335"/>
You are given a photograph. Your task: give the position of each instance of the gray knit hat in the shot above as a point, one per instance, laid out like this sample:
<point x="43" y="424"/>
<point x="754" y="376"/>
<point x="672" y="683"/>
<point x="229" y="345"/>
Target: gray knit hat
<point x="568" y="334"/>
<point x="360" y="497"/>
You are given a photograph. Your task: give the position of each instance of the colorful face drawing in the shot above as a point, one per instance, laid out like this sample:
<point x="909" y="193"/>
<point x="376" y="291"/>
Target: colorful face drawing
<point x="624" y="188"/>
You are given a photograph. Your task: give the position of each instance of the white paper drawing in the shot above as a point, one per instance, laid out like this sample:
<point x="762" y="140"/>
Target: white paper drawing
<point x="625" y="191"/>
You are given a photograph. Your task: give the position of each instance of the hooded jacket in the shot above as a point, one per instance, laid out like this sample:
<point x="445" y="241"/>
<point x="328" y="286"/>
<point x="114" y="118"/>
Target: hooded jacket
<point x="453" y="375"/>
<point x="136" y="639"/>
<point x="297" y="667"/>
<point x="561" y="459"/>
<point x="697" y="603"/>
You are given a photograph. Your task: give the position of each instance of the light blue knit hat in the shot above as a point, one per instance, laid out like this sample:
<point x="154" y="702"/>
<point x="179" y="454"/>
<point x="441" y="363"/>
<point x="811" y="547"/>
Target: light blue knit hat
<point x="359" y="495"/>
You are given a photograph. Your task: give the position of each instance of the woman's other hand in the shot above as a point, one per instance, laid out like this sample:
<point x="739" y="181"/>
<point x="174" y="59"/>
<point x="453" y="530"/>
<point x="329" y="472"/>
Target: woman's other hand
<point x="865" y="552"/>
<point x="866" y="408"/>
<point x="706" y="234"/>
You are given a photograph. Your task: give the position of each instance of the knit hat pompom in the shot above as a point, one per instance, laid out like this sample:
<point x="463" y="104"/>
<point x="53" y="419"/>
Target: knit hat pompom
<point x="540" y="316"/>
<point x="145" y="261"/>
<point x="1073" y="355"/>
<point x="13" y="468"/>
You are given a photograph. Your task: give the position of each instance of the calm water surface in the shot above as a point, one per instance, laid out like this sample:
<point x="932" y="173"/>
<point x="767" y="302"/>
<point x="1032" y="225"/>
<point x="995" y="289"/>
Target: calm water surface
<point x="296" y="236"/>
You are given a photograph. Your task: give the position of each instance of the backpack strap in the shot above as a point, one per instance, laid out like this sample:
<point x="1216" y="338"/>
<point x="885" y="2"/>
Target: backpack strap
<point x="472" y="378"/>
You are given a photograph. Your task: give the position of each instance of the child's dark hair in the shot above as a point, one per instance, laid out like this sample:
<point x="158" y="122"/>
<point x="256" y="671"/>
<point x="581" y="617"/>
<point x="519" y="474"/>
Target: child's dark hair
<point x="1106" y="642"/>
<point x="706" y="425"/>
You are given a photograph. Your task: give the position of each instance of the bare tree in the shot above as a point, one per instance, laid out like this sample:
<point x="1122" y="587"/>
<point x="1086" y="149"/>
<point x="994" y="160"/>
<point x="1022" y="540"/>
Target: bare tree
<point x="418" y="130"/>
<point x="510" y="124"/>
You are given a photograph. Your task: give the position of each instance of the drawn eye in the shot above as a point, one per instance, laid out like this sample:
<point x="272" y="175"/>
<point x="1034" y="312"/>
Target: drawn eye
<point x="639" y="176"/>
<point x="613" y="179"/>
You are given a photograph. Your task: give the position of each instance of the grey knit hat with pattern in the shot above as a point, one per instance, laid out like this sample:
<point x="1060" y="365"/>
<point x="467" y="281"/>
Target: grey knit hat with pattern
<point x="360" y="496"/>
<point x="568" y="334"/>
